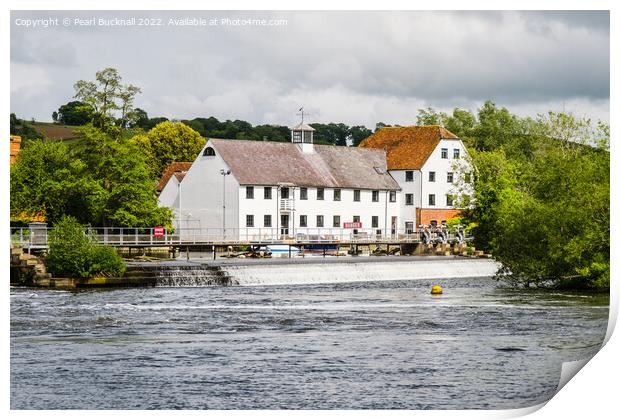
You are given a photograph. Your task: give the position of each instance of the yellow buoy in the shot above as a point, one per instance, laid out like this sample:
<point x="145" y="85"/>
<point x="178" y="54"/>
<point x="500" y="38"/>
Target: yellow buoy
<point x="436" y="290"/>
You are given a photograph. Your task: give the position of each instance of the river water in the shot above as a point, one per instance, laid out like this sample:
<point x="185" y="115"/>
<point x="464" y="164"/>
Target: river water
<point x="387" y="344"/>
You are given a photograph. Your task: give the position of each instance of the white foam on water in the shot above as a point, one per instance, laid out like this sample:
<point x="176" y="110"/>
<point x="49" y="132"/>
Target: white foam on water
<point x="283" y="274"/>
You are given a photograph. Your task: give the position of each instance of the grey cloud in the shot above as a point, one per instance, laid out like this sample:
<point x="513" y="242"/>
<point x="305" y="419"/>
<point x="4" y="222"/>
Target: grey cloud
<point x="386" y="59"/>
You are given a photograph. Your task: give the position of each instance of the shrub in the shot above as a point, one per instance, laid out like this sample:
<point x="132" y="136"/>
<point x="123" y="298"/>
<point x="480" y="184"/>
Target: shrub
<point x="73" y="253"/>
<point x="105" y="260"/>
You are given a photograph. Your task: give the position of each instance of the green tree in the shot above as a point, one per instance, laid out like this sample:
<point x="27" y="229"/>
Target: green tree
<point x="102" y="182"/>
<point x="359" y="133"/>
<point x="75" y="113"/>
<point x="106" y="95"/>
<point x="169" y="142"/>
<point x="74" y="253"/>
<point x="47" y="179"/>
<point x="121" y="169"/>
<point x="141" y="119"/>
<point x="19" y="127"/>
<point x="429" y="116"/>
<point x="544" y="213"/>
<point x="332" y="133"/>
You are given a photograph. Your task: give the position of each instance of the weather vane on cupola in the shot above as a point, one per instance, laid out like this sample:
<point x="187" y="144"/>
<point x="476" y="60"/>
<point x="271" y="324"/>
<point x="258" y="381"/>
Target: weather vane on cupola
<point x="302" y="113"/>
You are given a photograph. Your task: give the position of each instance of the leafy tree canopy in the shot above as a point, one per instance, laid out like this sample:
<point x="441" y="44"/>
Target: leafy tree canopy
<point x="103" y="182"/>
<point x="75" y="113"/>
<point x="169" y="142"/>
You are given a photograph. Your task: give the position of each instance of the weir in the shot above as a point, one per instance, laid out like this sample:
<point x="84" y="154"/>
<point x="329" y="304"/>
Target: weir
<point x="377" y="270"/>
<point x="192" y="276"/>
<point x="311" y="270"/>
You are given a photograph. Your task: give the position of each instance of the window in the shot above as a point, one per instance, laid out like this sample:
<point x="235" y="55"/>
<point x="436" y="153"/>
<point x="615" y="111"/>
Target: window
<point x="307" y="136"/>
<point x="296" y="136"/>
<point x="319" y="221"/>
<point x="249" y="220"/>
<point x="449" y="200"/>
<point x="267" y="220"/>
<point x="303" y="193"/>
<point x="320" y="193"/>
<point x="284" y="192"/>
<point x="267" y="193"/>
<point x="336" y="195"/>
<point x="303" y="220"/>
<point x="375" y="221"/>
<point x="356" y="195"/>
<point x="409" y="199"/>
<point x="457" y="153"/>
<point x="444" y="153"/>
<point x="249" y="192"/>
<point x="336" y="221"/>
<point x="450" y="177"/>
<point x="431" y="199"/>
<point x="408" y="176"/>
<point x="375" y="196"/>
<point x="392" y="196"/>
<point x="356" y="219"/>
<point x="408" y="228"/>
<point x="209" y="152"/>
<point x="431" y="177"/>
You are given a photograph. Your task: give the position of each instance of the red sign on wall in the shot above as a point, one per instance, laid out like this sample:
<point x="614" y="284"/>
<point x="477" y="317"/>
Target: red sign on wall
<point x="352" y="225"/>
<point x="158" y="231"/>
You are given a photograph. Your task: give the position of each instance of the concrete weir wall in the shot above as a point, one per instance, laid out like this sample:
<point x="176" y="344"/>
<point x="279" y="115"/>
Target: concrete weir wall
<point x="376" y="270"/>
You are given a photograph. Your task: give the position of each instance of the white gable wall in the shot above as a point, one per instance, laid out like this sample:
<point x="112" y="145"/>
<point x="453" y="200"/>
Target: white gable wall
<point x="407" y="213"/>
<point x="169" y="197"/>
<point x="202" y="198"/>
<point x="435" y="163"/>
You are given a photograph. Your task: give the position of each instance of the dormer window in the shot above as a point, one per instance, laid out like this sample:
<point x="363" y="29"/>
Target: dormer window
<point x="209" y="151"/>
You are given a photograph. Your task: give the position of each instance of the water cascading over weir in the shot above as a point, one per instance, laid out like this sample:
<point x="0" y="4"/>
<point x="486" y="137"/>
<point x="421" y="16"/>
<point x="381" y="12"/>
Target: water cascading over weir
<point x="287" y="272"/>
<point x="177" y="275"/>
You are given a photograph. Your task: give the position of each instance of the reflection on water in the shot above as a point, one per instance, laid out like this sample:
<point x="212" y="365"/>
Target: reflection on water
<point x="356" y="345"/>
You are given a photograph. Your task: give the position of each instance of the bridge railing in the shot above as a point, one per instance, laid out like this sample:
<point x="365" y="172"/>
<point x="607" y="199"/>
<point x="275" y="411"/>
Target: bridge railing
<point x="122" y="236"/>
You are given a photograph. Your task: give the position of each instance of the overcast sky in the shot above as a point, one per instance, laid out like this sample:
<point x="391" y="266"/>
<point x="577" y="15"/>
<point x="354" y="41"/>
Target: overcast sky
<point x="351" y="67"/>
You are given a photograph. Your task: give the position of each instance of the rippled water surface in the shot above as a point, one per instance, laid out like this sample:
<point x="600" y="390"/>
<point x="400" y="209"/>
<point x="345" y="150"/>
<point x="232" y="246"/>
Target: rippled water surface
<point x="353" y="345"/>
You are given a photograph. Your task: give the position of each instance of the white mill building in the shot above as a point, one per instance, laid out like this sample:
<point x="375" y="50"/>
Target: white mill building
<point x="250" y="190"/>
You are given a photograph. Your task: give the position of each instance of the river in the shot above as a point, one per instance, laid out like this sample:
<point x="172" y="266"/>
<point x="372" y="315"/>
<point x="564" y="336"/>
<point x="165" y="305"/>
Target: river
<point x="387" y="344"/>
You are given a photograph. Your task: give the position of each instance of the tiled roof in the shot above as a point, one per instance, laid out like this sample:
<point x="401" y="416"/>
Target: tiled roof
<point x="176" y="169"/>
<point x="407" y="147"/>
<point x="273" y="163"/>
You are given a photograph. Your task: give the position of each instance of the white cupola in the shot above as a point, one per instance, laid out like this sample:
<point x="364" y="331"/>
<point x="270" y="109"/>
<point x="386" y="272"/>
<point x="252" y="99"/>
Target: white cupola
<point x="303" y="135"/>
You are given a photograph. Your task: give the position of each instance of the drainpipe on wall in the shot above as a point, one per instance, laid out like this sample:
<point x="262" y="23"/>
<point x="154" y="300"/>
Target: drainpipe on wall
<point x="415" y="216"/>
<point x="385" y="222"/>
<point x="277" y="212"/>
